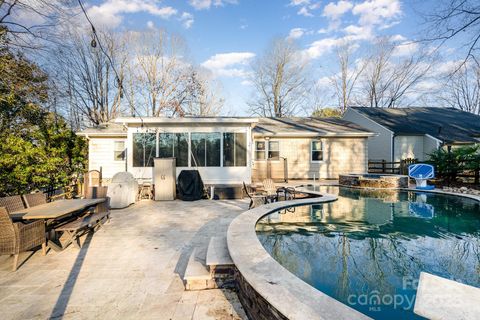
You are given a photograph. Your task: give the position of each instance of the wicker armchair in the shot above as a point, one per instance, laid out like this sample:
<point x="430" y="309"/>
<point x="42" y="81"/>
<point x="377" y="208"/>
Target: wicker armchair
<point x="12" y="203"/>
<point x="34" y="199"/>
<point x="18" y="237"/>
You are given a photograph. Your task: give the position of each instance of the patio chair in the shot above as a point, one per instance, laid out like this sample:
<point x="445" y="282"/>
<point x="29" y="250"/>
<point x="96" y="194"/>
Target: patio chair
<point x="256" y="198"/>
<point x="274" y="192"/>
<point x="93" y="178"/>
<point x="12" y="203"/>
<point x="34" y="199"/>
<point x="18" y="237"/>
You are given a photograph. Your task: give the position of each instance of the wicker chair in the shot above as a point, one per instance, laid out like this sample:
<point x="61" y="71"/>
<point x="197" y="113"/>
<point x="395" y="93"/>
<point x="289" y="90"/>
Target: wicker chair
<point x="34" y="199"/>
<point x="13" y="203"/>
<point x="18" y="237"/>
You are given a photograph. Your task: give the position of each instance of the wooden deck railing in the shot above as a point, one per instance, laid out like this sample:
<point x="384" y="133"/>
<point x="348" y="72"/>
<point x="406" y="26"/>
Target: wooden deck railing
<point x="395" y="167"/>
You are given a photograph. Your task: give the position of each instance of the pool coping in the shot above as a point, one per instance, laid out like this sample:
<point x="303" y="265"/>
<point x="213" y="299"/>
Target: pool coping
<point x="289" y="295"/>
<point x="285" y="292"/>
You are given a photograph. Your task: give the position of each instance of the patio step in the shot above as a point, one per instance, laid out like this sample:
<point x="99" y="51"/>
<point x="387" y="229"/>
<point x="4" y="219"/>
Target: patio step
<point x="218" y="271"/>
<point x="196" y="276"/>
<point x="218" y="258"/>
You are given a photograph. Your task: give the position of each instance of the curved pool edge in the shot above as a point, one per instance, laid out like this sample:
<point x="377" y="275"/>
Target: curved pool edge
<point x="280" y="294"/>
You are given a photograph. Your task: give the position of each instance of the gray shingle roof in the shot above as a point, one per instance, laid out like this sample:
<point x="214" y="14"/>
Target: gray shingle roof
<point x="446" y="124"/>
<point x="308" y="126"/>
<point x="109" y="128"/>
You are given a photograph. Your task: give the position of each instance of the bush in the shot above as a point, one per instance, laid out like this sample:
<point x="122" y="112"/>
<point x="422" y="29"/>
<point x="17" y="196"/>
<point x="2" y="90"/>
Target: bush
<point x="449" y="164"/>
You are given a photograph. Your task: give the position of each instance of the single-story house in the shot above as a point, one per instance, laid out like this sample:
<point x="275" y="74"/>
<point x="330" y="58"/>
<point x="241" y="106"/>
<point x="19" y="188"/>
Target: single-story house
<point x="414" y="132"/>
<point x="229" y="150"/>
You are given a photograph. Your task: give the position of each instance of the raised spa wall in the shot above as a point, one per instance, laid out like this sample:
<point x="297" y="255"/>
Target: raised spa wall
<point x="378" y="181"/>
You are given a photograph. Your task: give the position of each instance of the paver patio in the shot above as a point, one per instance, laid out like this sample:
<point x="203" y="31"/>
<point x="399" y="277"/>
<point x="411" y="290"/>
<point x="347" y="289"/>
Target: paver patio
<point x="130" y="269"/>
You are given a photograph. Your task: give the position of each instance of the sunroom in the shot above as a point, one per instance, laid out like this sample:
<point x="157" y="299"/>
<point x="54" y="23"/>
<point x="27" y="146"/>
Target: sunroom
<point x="219" y="148"/>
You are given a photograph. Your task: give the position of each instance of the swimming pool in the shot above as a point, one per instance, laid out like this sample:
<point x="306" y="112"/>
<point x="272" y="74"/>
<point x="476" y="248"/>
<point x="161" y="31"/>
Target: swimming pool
<point x="367" y="249"/>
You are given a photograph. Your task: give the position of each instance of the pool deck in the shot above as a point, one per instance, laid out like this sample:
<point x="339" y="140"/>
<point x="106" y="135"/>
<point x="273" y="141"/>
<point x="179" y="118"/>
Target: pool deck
<point x="130" y="269"/>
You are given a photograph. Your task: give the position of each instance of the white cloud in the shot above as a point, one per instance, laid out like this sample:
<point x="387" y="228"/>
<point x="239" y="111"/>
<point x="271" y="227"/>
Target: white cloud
<point x="110" y="13"/>
<point x="299" y="2"/>
<point x="377" y="12"/>
<point x="296" y="33"/>
<point x="335" y="11"/>
<point x="206" y="4"/>
<point x="320" y="47"/>
<point x="187" y="20"/>
<point x="304" y="12"/>
<point x="229" y="64"/>
<point x="150" y="24"/>
<point x="405" y="48"/>
<point x="305" y="7"/>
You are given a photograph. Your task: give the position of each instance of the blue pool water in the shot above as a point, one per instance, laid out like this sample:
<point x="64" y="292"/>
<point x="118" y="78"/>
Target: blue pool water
<point x="367" y="249"/>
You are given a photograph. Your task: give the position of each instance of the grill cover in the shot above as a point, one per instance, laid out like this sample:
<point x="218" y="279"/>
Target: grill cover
<point x="190" y="185"/>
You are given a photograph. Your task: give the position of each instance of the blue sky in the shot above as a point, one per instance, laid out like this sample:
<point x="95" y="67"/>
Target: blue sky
<point x="225" y="36"/>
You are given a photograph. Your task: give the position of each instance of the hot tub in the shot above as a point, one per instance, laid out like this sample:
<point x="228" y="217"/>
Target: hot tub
<point x="372" y="180"/>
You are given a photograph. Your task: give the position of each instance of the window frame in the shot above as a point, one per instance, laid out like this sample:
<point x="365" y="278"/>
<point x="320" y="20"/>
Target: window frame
<point x="268" y="151"/>
<point x="255" y="150"/>
<point x="322" y="150"/>
<point x="123" y="151"/>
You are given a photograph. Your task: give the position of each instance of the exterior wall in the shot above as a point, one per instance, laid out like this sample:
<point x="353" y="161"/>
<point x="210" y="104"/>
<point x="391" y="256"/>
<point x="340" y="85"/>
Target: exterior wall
<point x="340" y="155"/>
<point x="100" y="155"/>
<point x="430" y="144"/>
<point x="210" y="175"/>
<point x="380" y="146"/>
<point x="408" y="147"/>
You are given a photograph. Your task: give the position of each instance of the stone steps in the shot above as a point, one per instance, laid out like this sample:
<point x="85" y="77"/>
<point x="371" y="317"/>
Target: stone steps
<point x="217" y="272"/>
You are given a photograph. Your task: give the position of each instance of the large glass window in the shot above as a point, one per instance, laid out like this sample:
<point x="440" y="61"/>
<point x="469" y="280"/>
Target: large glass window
<point x="119" y="150"/>
<point x="273" y="150"/>
<point x="234" y="149"/>
<point x="317" y="150"/>
<point x="260" y="150"/>
<point x="144" y="149"/>
<point x="205" y="149"/>
<point x="174" y="145"/>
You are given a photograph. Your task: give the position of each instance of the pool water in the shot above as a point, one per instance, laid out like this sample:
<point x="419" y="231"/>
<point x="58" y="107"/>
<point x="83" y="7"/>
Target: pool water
<point x="367" y="249"/>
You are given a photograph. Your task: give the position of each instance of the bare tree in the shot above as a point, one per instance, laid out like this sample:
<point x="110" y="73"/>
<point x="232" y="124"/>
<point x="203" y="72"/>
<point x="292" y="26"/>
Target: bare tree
<point x="456" y="19"/>
<point x="28" y="24"/>
<point x="388" y="80"/>
<point x="280" y="81"/>
<point x="462" y="90"/>
<point x="205" y="98"/>
<point x="344" y="82"/>
<point x="163" y="75"/>
<point x="90" y="85"/>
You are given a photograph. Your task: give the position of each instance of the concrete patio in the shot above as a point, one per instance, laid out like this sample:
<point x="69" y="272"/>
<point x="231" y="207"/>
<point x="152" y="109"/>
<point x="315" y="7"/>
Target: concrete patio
<point x="132" y="268"/>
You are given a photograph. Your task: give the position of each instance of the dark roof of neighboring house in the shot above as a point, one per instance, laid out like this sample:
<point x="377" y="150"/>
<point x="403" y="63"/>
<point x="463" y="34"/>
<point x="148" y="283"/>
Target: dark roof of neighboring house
<point x="446" y="124"/>
<point x="308" y="126"/>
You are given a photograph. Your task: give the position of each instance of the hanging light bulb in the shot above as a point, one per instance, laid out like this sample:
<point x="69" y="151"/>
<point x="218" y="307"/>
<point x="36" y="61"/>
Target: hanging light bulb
<point x="93" y="43"/>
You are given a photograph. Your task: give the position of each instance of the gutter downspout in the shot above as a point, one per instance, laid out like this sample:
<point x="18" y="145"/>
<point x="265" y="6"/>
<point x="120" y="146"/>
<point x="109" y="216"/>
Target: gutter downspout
<point x="393" y="147"/>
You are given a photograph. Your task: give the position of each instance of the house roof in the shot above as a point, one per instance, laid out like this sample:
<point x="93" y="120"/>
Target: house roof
<point x="311" y="127"/>
<point x="308" y="126"/>
<point x="449" y="125"/>
<point x="186" y="120"/>
<point x="105" y="129"/>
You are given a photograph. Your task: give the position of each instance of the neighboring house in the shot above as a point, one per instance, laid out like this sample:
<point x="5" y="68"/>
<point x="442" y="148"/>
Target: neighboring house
<point x="229" y="150"/>
<point x="414" y="132"/>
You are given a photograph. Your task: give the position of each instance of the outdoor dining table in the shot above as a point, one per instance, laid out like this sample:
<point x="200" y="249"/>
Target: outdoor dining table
<point x="54" y="211"/>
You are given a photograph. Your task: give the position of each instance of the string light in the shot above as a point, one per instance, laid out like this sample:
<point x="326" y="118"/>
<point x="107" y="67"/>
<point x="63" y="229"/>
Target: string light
<point x="93" y="43"/>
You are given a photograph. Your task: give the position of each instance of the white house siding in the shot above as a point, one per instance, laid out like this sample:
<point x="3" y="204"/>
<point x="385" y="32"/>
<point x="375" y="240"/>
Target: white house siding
<point x="408" y="147"/>
<point x="340" y="155"/>
<point x="430" y="144"/>
<point x="100" y="155"/>
<point x="380" y="146"/>
<point x="210" y="175"/>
